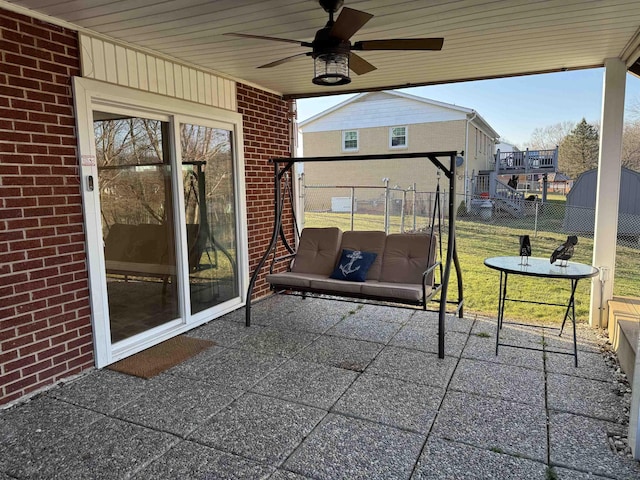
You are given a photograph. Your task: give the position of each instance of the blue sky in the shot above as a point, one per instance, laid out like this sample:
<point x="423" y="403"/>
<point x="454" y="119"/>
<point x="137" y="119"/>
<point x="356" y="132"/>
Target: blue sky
<point x="516" y="106"/>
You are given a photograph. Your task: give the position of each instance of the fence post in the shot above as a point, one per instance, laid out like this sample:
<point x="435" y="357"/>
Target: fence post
<point x="526" y="172"/>
<point x="386" y="205"/>
<point x="301" y="194"/>
<point x="404" y="202"/>
<point x="414" y="207"/>
<point x="535" y="225"/>
<point x="353" y="204"/>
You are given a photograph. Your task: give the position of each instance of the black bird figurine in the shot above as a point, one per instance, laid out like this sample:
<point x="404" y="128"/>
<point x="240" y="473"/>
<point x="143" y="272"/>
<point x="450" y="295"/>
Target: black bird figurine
<point x="565" y="251"/>
<point x="525" y="246"/>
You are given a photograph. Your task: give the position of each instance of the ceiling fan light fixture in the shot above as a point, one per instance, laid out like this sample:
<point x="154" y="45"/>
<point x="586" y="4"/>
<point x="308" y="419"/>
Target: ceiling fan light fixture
<point x="332" y="52"/>
<point x="331" y="69"/>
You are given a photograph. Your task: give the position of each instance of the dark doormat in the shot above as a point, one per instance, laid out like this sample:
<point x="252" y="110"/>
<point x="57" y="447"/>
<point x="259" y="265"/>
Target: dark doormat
<point x="157" y="359"/>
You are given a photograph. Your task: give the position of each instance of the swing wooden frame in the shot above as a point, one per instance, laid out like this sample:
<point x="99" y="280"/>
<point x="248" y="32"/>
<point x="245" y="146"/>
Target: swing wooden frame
<point x="281" y="175"/>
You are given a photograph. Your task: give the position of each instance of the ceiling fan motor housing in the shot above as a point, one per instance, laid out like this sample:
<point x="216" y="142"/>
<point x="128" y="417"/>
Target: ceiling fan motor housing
<point x="331" y="6"/>
<point x="325" y="44"/>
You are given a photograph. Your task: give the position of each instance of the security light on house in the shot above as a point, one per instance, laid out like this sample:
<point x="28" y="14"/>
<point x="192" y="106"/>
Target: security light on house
<point x="332" y="53"/>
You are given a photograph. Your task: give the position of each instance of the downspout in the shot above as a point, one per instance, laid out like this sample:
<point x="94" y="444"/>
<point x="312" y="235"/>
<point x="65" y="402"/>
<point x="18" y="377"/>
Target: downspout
<point x="470" y="118"/>
<point x="292" y="116"/>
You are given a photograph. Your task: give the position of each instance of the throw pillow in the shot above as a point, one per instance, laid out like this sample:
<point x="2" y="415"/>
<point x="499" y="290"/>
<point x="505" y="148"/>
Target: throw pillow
<point x="353" y="265"/>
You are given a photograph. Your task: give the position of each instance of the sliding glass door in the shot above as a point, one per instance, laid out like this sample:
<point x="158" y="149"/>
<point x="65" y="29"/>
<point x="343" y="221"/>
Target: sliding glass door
<point x="137" y="215"/>
<point x="163" y="193"/>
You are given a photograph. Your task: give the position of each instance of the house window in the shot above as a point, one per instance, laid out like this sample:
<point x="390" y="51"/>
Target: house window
<point x="350" y="140"/>
<point x="397" y="137"/>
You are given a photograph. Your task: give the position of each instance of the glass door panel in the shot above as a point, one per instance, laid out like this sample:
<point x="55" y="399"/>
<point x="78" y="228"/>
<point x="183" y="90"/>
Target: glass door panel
<point x="134" y="179"/>
<point x="210" y="214"/>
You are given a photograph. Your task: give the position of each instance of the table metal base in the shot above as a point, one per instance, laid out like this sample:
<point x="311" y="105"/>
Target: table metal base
<point x="570" y="312"/>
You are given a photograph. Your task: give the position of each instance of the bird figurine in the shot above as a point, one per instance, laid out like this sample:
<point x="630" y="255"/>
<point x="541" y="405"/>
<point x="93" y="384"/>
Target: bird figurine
<point x="565" y="251"/>
<point x="525" y="246"/>
<point x="525" y="249"/>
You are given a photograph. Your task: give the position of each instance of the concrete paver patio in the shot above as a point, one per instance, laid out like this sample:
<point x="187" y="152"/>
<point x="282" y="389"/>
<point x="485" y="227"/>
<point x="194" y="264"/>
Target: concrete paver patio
<point x="321" y="389"/>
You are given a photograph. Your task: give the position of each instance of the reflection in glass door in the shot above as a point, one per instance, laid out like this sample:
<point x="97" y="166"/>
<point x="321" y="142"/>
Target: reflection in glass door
<point x="209" y="190"/>
<point x="134" y="178"/>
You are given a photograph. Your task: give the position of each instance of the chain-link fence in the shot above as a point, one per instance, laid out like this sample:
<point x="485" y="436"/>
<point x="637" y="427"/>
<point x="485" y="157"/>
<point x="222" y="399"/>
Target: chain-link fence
<point x="485" y="227"/>
<point x="388" y="208"/>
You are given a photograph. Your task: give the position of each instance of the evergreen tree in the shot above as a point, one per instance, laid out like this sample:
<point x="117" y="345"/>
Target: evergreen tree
<point x="579" y="150"/>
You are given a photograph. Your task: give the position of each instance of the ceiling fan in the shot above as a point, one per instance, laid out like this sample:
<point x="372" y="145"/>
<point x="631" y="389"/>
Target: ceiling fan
<point x="333" y="52"/>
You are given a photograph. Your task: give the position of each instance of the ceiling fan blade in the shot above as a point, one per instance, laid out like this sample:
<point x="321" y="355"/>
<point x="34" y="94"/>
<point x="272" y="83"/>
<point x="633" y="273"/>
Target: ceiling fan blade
<point x="282" y="60"/>
<point x="275" y="39"/>
<point x="359" y="65"/>
<point x="400" y="44"/>
<point x="349" y="22"/>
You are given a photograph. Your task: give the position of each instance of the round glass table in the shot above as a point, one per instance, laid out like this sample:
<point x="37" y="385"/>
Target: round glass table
<point x="540" y="268"/>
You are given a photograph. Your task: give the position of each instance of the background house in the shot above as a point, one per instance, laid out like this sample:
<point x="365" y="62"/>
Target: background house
<point x="506" y="147"/>
<point x="393" y="122"/>
<point x="558" y="183"/>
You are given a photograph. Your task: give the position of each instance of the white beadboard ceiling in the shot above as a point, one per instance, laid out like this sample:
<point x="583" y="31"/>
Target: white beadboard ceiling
<point x="483" y="38"/>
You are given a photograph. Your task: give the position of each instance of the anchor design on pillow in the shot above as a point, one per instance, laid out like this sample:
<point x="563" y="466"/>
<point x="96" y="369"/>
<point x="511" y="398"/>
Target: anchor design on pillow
<point x="347" y="268"/>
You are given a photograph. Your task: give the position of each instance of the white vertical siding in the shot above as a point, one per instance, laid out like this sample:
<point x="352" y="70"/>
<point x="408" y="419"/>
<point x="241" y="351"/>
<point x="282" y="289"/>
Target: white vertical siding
<point x="132" y="71"/>
<point x="141" y="64"/>
<point x="121" y="66"/>
<point x="96" y="63"/>
<point x="110" y="62"/>
<point x="114" y="63"/>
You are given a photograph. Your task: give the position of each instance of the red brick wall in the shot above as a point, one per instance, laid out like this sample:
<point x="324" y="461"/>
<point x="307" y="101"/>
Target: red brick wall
<point x="266" y="136"/>
<point x="45" y="329"/>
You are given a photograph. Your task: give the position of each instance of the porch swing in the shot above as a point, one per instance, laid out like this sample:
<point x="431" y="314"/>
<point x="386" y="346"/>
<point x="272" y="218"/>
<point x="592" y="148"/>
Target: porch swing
<point x="403" y="271"/>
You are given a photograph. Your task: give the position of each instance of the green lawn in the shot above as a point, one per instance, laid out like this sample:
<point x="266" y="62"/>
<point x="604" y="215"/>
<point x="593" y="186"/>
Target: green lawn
<point x="478" y="240"/>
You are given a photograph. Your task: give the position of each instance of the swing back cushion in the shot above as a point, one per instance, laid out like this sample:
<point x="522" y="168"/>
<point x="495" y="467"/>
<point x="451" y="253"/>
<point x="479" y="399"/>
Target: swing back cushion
<point x="406" y="258"/>
<point x="317" y="251"/>
<point x="370" y="242"/>
<point x="147" y="249"/>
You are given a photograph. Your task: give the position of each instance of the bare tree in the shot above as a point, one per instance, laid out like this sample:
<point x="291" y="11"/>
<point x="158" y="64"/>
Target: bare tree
<point x="547" y="138"/>
<point x="207" y="150"/>
<point x="132" y="166"/>
<point x="633" y="111"/>
<point x="631" y="145"/>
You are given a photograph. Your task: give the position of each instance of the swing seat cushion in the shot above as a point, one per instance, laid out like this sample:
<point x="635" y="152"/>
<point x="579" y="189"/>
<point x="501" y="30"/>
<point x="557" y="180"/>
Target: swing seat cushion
<point x="331" y="286"/>
<point x="294" y="280"/>
<point x="402" y="291"/>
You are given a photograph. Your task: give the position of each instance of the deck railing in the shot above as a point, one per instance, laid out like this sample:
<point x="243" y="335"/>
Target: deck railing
<point x="533" y="161"/>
